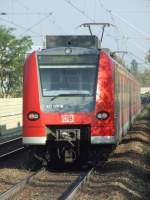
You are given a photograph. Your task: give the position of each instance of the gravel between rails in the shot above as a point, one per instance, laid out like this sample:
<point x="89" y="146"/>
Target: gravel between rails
<point x="47" y="185"/>
<point x="17" y="187"/>
<point x="126" y="173"/>
<point x="14" y="168"/>
<point x="57" y="185"/>
<point x="9" y="177"/>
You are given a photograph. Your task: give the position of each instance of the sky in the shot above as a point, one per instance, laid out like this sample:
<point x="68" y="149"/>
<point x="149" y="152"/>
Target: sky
<point x="131" y="30"/>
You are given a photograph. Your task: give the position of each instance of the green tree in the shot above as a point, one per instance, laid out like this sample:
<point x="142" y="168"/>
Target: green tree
<point x="147" y="58"/>
<point x="146" y="73"/>
<point x="142" y="76"/>
<point x="146" y="78"/>
<point x="118" y="58"/>
<point x="12" y="56"/>
<point x="134" y="68"/>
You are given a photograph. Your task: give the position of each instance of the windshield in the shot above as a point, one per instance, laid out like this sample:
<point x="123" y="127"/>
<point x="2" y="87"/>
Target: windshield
<point x="67" y="80"/>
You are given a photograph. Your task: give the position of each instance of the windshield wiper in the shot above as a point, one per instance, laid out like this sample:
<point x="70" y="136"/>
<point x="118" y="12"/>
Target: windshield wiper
<point x="69" y="94"/>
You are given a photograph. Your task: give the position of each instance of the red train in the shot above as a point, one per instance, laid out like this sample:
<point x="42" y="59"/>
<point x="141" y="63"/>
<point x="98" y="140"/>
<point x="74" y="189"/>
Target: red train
<point x="75" y="95"/>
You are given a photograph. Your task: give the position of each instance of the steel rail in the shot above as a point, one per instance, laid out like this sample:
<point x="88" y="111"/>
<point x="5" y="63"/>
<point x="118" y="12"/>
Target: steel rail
<point x="11" y="152"/>
<point x="72" y="190"/>
<point x="10" y="146"/>
<point x="10" y="140"/>
<point x="19" y="186"/>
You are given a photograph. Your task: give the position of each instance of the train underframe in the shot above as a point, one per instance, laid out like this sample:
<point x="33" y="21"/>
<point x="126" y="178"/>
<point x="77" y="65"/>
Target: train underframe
<point x="67" y="144"/>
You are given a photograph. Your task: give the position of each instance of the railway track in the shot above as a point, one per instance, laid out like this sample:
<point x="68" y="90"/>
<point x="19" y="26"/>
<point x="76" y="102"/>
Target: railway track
<point x="74" y="189"/>
<point x="45" y="185"/>
<point x="48" y="185"/>
<point x="10" y="146"/>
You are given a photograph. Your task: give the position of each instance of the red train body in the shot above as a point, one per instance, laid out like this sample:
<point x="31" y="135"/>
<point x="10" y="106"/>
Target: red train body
<point x="75" y="95"/>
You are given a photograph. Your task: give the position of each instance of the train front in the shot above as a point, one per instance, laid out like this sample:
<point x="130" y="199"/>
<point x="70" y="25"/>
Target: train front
<point x="60" y="86"/>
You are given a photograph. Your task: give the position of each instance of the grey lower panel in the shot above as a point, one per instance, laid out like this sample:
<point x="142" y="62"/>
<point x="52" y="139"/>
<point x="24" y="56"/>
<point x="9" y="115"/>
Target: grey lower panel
<point x="34" y="140"/>
<point x="103" y="140"/>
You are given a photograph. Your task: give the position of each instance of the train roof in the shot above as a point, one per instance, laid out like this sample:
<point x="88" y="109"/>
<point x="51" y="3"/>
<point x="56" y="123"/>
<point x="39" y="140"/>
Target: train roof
<point x="85" y="41"/>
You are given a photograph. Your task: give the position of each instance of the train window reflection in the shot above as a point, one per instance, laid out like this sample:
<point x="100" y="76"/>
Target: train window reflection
<point x="65" y="80"/>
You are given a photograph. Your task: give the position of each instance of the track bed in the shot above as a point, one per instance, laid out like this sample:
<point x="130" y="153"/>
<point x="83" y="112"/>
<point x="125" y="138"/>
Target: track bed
<point x="126" y="174"/>
<point x="46" y="186"/>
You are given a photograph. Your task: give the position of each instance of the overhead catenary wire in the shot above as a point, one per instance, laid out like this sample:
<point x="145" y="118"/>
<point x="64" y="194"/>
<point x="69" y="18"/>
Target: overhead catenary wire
<point x="117" y="29"/>
<point x="125" y="37"/>
<point x="24" y="13"/>
<point x="142" y="61"/>
<point x="17" y="25"/>
<point x="28" y="29"/>
<point x="133" y="11"/>
<point x="145" y="36"/>
<point x="136" y="56"/>
<point x="82" y="12"/>
<point x="79" y="10"/>
<point x="38" y="13"/>
<point x="112" y="13"/>
<point x="130" y="24"/>
<point x="125" y="21"/>
<point x="113" y="21"/>
<point x="37" y="23"/>
<point x="139" y="46"/>
<point x="58" y="25"/>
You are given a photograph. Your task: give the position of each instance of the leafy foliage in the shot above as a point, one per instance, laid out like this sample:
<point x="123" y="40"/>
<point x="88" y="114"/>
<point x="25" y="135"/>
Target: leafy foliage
<point x="147" y="58"/>
<point x="145" y="77"/>
<point x="142" y="76"/>
<point x="12" y="55"/>
<point x="134" y="68"/>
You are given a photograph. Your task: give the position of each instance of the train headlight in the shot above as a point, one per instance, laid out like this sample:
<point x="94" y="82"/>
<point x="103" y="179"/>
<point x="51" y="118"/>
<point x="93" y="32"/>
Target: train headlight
<point x="33" y="116"/>
<point x="68" y="51"/>
<point x="103" y="115"/>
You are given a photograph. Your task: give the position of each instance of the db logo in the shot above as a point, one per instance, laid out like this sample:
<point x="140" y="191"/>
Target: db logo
<point x="67" y="118"/>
